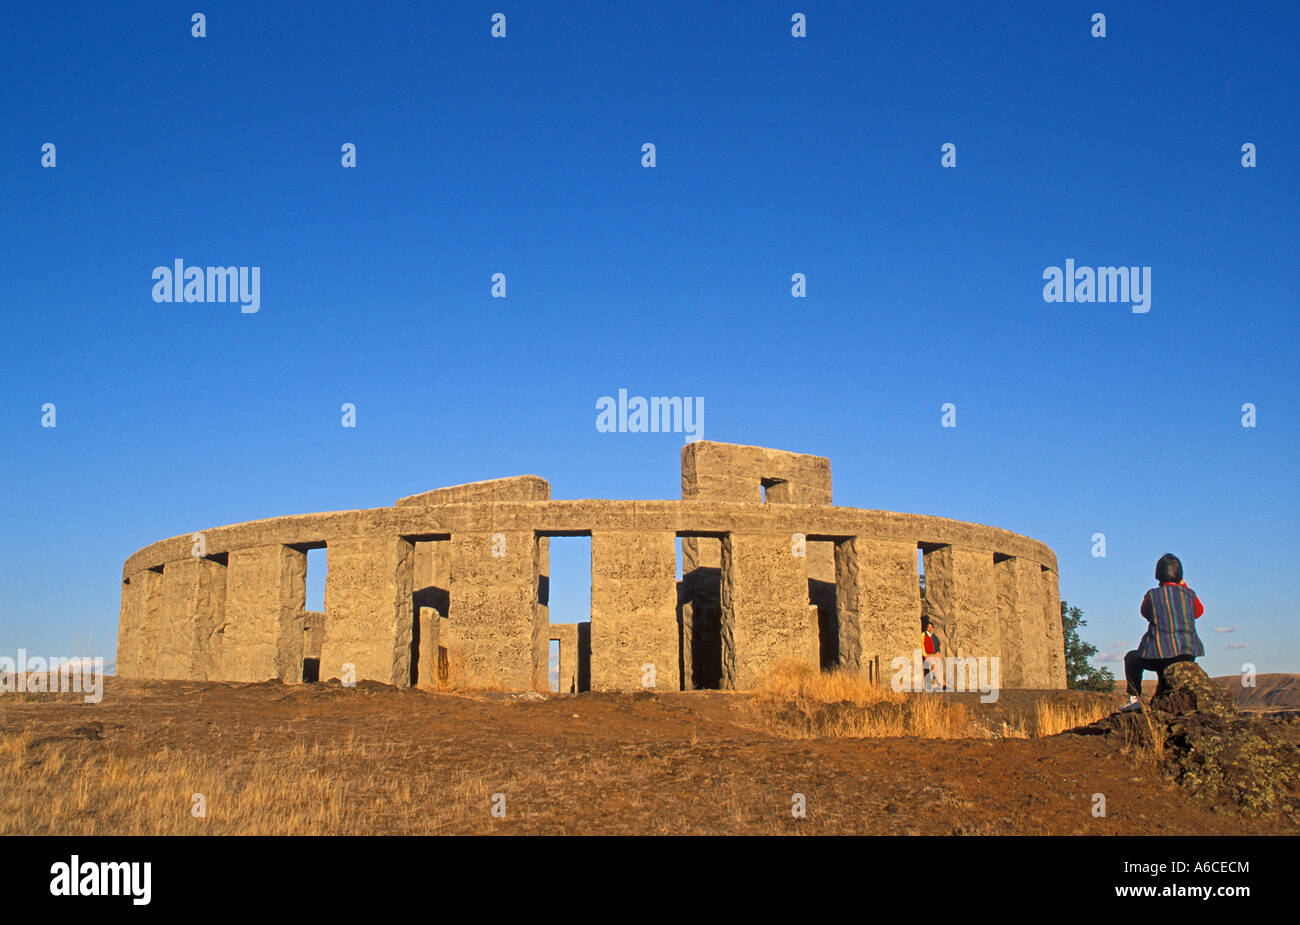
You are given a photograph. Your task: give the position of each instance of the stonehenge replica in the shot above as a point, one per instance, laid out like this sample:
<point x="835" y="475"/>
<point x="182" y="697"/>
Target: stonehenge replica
<point x="450" y="588"/>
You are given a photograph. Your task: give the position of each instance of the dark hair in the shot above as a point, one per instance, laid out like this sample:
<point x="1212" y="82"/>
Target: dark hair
<point x="925" y="621"/>
<point x="1169" y="568"/>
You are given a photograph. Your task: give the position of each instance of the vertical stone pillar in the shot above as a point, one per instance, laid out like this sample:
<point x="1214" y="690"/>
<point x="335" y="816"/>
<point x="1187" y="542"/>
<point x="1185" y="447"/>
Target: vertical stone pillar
<point x="494" y="610"/>
<point x="266" y="595"/>
<point x="879" y="592"/>
<point x="427" y="669"/>
<point x="149" y="586"/>
<point x="368" y="618"/>
<point x="542" y="613"/>
<point x="634" y="609"/>
<point x="1054" y="631"/>
<point x="193" y="617"/>
<point x="765" y="612"/>
<point x="313" y="637"/>
<point x="566" y="634"/>
<point x="130" y="626"/>
<point x="1026" y="648"/>
<point x="962" y="597"/>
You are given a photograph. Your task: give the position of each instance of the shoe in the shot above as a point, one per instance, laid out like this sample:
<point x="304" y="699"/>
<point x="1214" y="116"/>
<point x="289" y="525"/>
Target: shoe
<point x="1133" y="706"/>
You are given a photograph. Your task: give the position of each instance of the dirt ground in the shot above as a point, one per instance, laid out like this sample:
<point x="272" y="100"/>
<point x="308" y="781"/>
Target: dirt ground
<point x="271" y="758"/>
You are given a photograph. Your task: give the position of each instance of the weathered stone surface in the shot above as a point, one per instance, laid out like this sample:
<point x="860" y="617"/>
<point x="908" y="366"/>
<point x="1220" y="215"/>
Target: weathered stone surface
<point x="368" y="615"/>
<point x="1054" y="631"/>
<point x="427" y="644"/>
<point x="139" y="627"/>
<point x="415" y="593"/>
<point x="567" y="635"/>
<point x="313" y="637"/>
<point x="515" y="488"/>
<point x="495" y="613"/>
<point x="541" y="612"/>
<point x="880" y="593"/>
<point x="633" y="611"/>
<point x="265" y="601"/>
<point x="1206" y="746"/>
<point x="1188" y="689"/>
<point x="1026" y="644"/>
<point x="765" y="613"/>
<point x="961" y="598"/>
<point x="730" y="472"/>
<point x="192" y="619"/>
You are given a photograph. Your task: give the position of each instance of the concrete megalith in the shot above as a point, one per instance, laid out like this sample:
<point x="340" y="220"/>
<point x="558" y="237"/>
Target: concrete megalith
<point x="731" y="472"/>
<point x="765" y="614"/>
<point x="266" y="595"/>
<point x="566" y="634"/>
<point x="1053" y="630"/>
<point x="962" y="600"/>
<point x="368" y="610"/>
<point x="1026" y="646"/>
<point x="449" y="588"/>
<point x="192" y="619"/>
<point x="139" y="625"/>
<point x="633" y="611"/>
<point x="879" y="593"/>
<point x="495" y="612"/>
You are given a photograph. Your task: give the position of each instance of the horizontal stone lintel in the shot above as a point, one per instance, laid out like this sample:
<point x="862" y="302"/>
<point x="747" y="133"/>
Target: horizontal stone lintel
<point x="585" y="516"/>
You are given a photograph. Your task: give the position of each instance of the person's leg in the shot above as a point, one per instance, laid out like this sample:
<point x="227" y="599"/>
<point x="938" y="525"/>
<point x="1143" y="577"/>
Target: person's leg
<point x="936" y="671"/>
<point x="1133" y="664"/>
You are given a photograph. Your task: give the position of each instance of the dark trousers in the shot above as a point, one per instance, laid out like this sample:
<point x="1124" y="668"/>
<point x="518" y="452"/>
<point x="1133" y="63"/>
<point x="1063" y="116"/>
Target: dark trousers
<point x="1135" y="664"/>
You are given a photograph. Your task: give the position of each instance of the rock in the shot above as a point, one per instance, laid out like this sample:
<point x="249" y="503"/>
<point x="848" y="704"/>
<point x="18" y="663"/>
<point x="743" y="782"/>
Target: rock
<point x="1207" y="747"/>
<point x="1188" y="689"/>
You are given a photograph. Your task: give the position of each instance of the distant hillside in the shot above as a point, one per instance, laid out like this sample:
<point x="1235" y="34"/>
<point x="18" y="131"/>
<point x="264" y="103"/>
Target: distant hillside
<point x="1271" y="692"/>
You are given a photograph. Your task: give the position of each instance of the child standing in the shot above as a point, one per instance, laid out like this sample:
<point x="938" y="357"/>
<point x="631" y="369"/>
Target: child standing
<point x="932" y="679"/>
<point x="1172" y="610"/>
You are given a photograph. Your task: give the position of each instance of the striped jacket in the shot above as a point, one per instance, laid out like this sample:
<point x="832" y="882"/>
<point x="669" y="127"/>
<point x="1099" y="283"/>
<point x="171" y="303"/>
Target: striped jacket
<point x="1172" y="610"/>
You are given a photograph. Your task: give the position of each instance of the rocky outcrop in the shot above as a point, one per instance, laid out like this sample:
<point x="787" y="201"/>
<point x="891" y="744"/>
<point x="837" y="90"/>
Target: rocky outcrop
<point x="1206" y="746"/>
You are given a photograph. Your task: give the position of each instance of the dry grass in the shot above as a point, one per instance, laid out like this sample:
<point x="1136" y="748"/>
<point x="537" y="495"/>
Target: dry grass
<point x="1051" y="718"/>
<point x="303" y="787"/>
<point x="457" y="678"/>
<point x="1146" y="746"/>
<point x="798" y="701"/>
<point x="276" y="759"/>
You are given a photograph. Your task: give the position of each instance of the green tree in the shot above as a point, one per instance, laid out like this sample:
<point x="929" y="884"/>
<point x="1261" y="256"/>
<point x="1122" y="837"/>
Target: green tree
<point x="1079" y="674"/>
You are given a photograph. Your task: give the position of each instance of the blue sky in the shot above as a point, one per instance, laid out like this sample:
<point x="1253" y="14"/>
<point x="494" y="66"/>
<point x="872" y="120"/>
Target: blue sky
<point x="775" y="155"/>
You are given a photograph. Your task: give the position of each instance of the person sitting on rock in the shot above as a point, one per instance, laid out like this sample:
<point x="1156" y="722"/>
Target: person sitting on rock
<point x="1172" y="609"/>
<point x="932" y="680"/>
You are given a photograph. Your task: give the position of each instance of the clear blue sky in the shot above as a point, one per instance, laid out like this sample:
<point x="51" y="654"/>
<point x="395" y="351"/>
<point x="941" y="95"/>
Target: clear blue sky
<point x="775" y="155"/>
